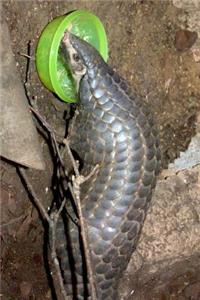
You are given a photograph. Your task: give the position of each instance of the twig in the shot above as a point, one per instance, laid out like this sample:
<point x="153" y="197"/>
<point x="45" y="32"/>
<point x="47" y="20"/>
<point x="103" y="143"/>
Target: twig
<point x="93" y="172"/>
<point x="74" y="190"/>
<point x="52" y="222"/>
<point x="27" y="56"/>
<point x="74" y="163"/>
<point x="33" y="194"/>
<point x="56" y="148"/>
<point x="54" y="136"/>
<point x="77" y="181"/>
<point x="62" y="193"/>
<point x="53" y="218"/>
<point x="53" y="225"/>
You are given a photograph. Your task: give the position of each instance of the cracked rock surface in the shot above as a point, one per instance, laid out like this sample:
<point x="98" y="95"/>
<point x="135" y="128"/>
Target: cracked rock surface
<point x="170" y="241"/>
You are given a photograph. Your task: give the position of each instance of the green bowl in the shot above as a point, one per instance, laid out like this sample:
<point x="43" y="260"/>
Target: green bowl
<point x="51" y="67"/>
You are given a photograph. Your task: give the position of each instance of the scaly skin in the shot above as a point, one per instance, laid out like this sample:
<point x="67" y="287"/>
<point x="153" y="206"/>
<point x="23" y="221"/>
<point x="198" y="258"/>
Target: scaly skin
<point x="115" y="129"/>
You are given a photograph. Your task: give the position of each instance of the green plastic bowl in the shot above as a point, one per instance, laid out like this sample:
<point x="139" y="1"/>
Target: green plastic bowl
<point x="51" y="67"/>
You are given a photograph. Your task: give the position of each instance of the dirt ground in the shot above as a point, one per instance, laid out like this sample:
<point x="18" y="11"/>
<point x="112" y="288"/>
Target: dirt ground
<point x="142" y="48"/>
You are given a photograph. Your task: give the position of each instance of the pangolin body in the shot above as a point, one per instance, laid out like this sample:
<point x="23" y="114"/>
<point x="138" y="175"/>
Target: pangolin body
<point x="114" y="128"/>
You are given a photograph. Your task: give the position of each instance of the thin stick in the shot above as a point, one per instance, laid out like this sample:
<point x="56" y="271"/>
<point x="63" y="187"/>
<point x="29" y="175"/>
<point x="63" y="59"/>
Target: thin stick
<point x="53" y="225"/>
<point x="52" y="222"/>
<point x="26" y="55"/>
<point x="54" y="141"/>
<point x="75" y="192"/>
<point x="30" y="189"/>
<point x="76" y="170"/>
<point x="54" y="135"/>
<point x="84" y="234"/>
<point x="53" y="218"/>
<point x="77" y="181"/>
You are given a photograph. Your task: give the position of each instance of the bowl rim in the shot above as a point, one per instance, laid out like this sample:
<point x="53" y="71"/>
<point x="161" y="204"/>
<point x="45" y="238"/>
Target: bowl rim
<point x="55" y="44"/>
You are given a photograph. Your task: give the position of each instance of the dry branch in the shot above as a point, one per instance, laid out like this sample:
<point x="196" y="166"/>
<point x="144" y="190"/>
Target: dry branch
<point x="52" y="220"/>
<point x="77" y="181"/>
<point x="74" y="189"/>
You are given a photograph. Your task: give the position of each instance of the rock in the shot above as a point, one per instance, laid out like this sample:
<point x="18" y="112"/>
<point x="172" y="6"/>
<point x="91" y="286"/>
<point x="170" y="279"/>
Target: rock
<point x="169" y="246"/>
<point x="185" y="39"/>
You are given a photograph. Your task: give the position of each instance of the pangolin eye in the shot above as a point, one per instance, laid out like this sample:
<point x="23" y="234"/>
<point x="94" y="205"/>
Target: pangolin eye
<point x="76" y="57"/>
